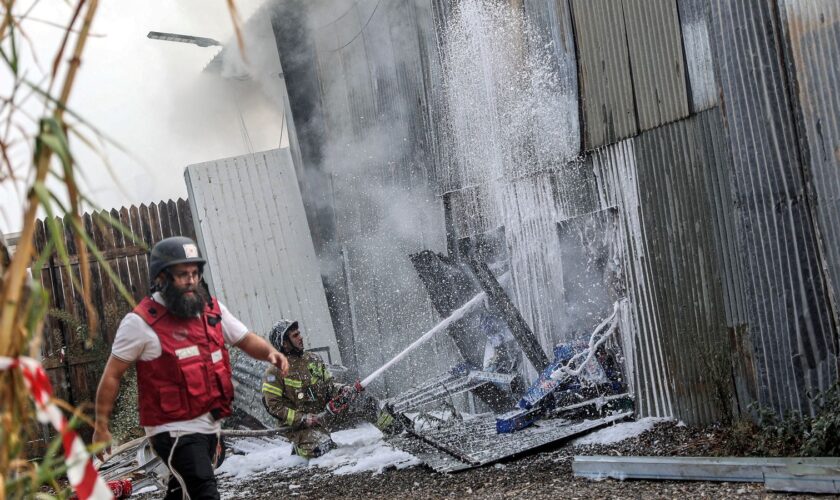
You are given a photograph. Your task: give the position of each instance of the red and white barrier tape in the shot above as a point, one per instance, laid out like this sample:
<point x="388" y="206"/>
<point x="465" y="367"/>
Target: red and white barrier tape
<point x="83" y="476"/>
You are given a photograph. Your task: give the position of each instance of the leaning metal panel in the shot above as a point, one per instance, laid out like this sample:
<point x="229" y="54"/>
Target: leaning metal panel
<point x="252" y="229"/>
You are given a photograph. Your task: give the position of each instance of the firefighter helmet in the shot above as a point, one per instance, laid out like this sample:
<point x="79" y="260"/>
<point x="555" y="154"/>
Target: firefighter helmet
<point x="174" y="250"/>
<point x="278" y="332"/>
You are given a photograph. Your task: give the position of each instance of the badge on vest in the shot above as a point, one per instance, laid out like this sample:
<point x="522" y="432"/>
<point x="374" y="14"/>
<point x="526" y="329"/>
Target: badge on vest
<point x="216" y="356"/>
<point x="187" y="352"/>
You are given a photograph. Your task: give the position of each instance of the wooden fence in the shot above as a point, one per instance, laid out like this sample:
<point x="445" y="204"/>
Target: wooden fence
<point x="74" y="365"/>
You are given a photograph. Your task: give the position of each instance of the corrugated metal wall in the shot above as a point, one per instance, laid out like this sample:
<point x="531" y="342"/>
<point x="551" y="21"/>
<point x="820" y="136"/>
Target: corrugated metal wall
<point x="251" y="227"/>
<point x="667" y="183"/>
<point x="788" y="308"/>
<point x="606" y="88"/>
<point x="711" y="124"/>
<point x="813" y="45"/>
<point x="372" y="68"/>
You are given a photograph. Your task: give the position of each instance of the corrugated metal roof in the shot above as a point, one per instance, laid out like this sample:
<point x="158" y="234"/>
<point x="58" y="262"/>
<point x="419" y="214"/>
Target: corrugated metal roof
<point x="252" y="228"/>
<point x="813" y="42"/>
<point x="605" y="86"/>
<point x="694" y="21"/>
<point x="656" y="61"/>
<point x="788" y="307"/>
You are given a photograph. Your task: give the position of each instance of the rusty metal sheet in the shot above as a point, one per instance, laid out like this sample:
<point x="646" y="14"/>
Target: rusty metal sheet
<point x="680" y="263"/>
<point x="788" y="308"/>
<point x="605" y="84"/>
<point x="657" y="64"/>
<point x="813" y="43"/>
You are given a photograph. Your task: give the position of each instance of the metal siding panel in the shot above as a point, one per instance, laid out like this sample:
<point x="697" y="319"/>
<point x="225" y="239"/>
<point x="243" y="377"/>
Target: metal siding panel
<point x="606" y="90"/>
<point x="252" y="227"/>
<point x="656" y="61"/>
<point x="694" y="20"/>
<point x="617" y="181"/>
<point x="813" y="42"/>
<point x="676" y="206"/>
<point x="788" y="308"/>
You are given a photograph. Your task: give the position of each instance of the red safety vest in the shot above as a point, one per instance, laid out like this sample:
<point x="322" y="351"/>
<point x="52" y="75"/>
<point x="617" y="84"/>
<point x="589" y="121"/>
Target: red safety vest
<point x="192" y="376"/>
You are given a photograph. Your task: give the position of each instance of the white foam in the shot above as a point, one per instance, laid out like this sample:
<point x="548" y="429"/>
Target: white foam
<point x="619" y="432"/>
<point x="358" y="450"/>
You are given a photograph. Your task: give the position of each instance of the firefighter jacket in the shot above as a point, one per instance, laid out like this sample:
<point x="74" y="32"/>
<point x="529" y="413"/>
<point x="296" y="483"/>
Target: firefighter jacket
<point x="307" y="388"/>
<point x="192" y="376"/>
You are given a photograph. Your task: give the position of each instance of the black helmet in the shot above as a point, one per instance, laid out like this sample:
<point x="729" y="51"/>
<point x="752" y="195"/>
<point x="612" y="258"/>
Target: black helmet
<point x="170" y="251"/>
<point x="278" y="332"/>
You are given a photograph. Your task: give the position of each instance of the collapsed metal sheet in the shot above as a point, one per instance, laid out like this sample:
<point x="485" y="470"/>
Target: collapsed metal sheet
<point x="473" y="443"/>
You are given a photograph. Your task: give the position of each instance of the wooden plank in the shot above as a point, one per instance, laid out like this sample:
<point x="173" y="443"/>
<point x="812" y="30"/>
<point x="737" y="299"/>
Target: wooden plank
<point x="137" y="290"/>
<point x="120" y="263"/>
<point x="95" y="277"/>
<point x="154" y="223"/>
<point x="145" y="225"/>
<point x="165" y="226"/>
<point x="103" y="237"/>
<point x="174" y="222"/>
<point x="141" y="257"/>
<point x="186" y="219"/>
<point x="47" y="283"/>
<point x="112" y="254"/>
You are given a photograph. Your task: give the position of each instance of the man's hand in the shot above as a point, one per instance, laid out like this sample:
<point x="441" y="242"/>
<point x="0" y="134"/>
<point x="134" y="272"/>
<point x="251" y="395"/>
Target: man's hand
<point x="102" y="435"/>
<point x="279" y="360"/>
<point x="258" y="348"/>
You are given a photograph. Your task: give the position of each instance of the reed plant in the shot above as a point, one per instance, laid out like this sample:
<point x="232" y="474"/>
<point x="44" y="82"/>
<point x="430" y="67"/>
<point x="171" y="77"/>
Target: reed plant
<point x="49" y="173"/>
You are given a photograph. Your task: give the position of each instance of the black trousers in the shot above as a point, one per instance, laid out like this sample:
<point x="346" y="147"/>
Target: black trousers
<point x="192" y="460"/>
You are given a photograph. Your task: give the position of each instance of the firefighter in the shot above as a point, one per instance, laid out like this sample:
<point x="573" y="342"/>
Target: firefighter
<point x="309" y="400"/>
<point x="177" y="337"/>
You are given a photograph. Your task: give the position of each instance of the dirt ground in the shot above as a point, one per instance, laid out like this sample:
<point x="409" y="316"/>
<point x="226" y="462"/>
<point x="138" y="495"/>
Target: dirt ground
<point x="543" y="474"/>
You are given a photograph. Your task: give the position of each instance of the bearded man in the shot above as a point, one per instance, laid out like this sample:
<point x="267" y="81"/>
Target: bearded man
<point x="177" y="337"/>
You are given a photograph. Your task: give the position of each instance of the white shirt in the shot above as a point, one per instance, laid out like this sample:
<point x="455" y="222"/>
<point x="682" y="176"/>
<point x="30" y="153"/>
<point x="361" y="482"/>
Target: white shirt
<point x="136" y="341"/>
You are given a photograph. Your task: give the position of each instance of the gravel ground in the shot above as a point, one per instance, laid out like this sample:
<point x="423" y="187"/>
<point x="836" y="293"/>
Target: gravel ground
<point x="543" y="474"/>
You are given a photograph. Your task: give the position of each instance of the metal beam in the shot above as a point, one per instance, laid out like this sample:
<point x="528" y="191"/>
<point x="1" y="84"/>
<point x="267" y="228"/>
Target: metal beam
<point x="508" y="311"/>
<point x="815" y="475"/>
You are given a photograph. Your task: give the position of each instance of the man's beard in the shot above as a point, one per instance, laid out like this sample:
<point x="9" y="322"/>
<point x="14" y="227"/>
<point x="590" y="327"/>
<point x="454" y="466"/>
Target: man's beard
<point x="182" y="305"/>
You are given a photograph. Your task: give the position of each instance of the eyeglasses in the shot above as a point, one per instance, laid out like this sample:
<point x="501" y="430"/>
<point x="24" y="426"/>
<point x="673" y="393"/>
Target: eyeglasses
<point x="186" y="276"/>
